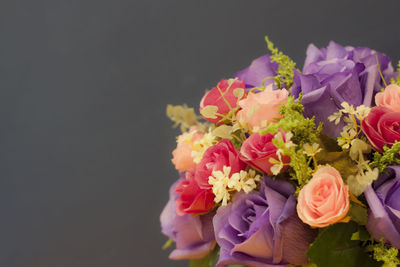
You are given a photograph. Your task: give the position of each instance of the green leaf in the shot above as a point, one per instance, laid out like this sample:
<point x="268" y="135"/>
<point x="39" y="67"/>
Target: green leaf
<point x="358" y="214"/>
<point x="362" y="234"/>
<point x="167" y="244"/>
<point x="334" y="247"/>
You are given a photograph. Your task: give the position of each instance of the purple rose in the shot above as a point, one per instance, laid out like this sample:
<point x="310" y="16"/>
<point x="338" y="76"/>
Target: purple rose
<point x="193" y="235"/>
<point x="336" y="74"/>
<point x="259" y="70"/>
<point x="262" y="228"/>
<point x="384" y="207"/>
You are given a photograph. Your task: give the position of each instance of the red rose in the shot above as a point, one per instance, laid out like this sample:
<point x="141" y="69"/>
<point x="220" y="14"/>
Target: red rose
<point x="214" y="98"/>
<point x="192" y="198"/>
<point x="382" y="127"/>
<point x="215" y="158"/>
<point x="258" y="149"/>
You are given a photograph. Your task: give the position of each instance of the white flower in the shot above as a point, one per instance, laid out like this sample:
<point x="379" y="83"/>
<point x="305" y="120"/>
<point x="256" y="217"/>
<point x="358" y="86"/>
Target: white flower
<point x="278" y="164"/>
<point x="362" y="112"/>
<point x="200" y="146"/>
<point x="223" y="184"/>
<point x="219" y="180"/>
<point x="245" y="181"/>
<point x="358" y="147"/>
<point x="311" y="150"/>
<point x="335" y="117"/>
<point x="357" y="183"/>
<point x="347" y="108"/>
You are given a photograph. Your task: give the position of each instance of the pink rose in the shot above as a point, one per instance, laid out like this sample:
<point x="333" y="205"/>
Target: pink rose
<point x="262" y="108"/>
<point x="182" y="155"/>
<point x="324" y="200"/>
<point x="192" y="198"/>
<point x="215" y="98"/>
<point x="390" y="98"/>
<point x="215" y="158"/>
<point x="258" y="149"/>
<point x="382" y="127"/>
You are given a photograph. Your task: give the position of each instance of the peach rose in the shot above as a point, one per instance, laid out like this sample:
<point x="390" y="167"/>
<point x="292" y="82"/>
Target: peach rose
<point x="389" y="98"/>
<point x="325" y="199"/>
<point x="182" y="155"/>
<point x="259" y="109"/>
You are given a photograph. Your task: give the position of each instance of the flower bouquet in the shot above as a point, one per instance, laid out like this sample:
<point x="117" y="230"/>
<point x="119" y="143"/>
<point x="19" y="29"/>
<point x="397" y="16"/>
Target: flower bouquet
<point x="291" y="168"/>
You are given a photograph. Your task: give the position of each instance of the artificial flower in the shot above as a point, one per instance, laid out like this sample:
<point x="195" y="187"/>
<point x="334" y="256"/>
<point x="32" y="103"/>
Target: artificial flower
<point x="338" y="74"/>
<point x="215" y="158"/>
<point x="383" y="199"/>
<point x="260" y="109"/>
<point x="192" y="198"/>
<point x="222" y="98"/>
<point x="262" y="228"/>
<point x="182" y="155"/>
<point x="193" y="235"/>
<point x="257" y="150"/>
<point x="382" y="127"/>
<point x="324" y="200"/>
<point x="389" y="98"/>
<point x="260" y="72"/>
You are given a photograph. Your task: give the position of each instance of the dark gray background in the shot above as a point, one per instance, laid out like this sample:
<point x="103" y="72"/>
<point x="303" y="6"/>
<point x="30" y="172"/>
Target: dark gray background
<point x="84" y="142"/>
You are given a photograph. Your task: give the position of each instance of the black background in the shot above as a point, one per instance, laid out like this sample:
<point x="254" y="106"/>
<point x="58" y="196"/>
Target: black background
<point x="84" y="142"/>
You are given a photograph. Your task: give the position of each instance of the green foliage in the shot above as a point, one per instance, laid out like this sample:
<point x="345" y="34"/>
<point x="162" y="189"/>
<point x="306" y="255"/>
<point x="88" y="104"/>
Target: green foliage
<point x="303" y="130"/>
<point x="385" y="253"/>
<point x="284" y="77"/>
<point x="358" y="214"/>
<point x="389" y="156"/>
<point x="334" y="247"/>
<point x="397" y="81"/>
<point x="298" y="161"/>
<point x="362" y="234"/>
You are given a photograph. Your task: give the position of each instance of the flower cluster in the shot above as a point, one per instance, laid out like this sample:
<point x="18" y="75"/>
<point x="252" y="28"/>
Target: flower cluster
<point x="278" y="153"/>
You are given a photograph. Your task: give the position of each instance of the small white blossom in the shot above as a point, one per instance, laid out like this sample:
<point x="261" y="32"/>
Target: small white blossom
<point x="335" y="117"/>
<point x="346" y="137"/>
<point x="357" y="183"/>
<point x="358" y="147"/>
<point x="219" y="181"/>
<point x="200" y="146"/>
<point x="347" y="108"/>
<point x="278" y="164"/>
<point x="245" y="181"/>
<point x="222" y="183"/>
<point x="311" y="150"/>
<point x="362" y="112"/>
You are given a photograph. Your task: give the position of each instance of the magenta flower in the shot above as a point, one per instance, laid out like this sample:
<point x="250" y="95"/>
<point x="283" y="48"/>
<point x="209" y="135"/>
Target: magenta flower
<point x="193" y="235"/>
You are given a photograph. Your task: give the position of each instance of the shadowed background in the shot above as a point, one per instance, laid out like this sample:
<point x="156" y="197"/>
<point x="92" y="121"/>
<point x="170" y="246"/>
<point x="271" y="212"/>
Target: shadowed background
<point x="84" y="142"/>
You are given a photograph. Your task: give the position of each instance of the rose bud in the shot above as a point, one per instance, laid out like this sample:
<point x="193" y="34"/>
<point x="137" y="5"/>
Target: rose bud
<point x="220" y="97"/>
<point x="192" y="198"/>
<point x="389" y="98"/>
<point x="259" y="109"/>
<point x="257" y="151"/>
<point x="382" y="127"/>
<point x="193" y="235"/>
<point x="182" y="155"/>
